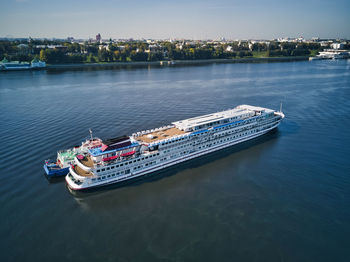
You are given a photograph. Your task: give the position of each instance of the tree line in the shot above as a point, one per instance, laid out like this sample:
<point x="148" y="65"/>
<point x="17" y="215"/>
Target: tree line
<point x="67" y="52"/>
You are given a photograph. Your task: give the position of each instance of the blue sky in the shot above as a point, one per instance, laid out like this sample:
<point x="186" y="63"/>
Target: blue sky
<point x="193" y="19"/>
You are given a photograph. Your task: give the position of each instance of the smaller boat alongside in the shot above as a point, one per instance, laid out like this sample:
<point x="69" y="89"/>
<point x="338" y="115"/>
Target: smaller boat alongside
<point x="65" y="158"/>
<point x="53" y="169"/>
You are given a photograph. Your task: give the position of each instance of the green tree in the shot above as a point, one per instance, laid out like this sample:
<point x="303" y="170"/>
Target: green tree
<point x="43" y="56"/>
<point x="53" y="56"/>
<point x="90" y="58"/>
<point x="155" y="56"/>
<point x="138" y="56"/>
<point x="102" y="55"/>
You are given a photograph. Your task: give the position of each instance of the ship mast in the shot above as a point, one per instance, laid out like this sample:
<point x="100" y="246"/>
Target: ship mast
<point x="90" y="133"/>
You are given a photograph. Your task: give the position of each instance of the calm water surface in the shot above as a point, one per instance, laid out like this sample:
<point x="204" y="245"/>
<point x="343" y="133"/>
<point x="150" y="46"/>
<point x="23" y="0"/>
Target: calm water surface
<point x="284" y="197"/>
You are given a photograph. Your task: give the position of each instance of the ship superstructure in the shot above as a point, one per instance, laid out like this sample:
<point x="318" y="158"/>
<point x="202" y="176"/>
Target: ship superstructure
<point x="127" y="157"/>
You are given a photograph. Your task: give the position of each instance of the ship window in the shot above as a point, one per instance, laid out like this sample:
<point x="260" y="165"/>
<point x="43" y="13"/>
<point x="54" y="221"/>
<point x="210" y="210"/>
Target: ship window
<point x="138" y="159"/>
<point x="103" y="177"/>
<point x="108" y="168"/>
<point x="117" y="166"/>
<point x="112" y="167"/>
<point x="98" y="178"/>
<point x="134" y="161"/>
<point x="109" y="176"/>
<point x="121" y="164"/>
<point x="102" y="169"/>
<point x="143" y="158"/>
<point x="146" y="157"/>
<point x="93" y="179"/>
<point x="130" y="162"/>
<point x="98" y="170"/>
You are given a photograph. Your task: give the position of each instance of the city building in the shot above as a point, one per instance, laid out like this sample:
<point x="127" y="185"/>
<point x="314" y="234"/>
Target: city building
<point x="98" y="37"/>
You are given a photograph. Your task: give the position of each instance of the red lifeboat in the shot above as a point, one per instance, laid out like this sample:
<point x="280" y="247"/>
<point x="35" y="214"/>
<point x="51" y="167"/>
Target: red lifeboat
<point x="109" y="158"/>
<point x="128" y="153"/>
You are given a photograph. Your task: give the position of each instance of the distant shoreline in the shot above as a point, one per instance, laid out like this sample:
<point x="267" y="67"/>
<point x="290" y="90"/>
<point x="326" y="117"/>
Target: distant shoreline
<point x="177" y="62"/>
<point x="166" y="63"/>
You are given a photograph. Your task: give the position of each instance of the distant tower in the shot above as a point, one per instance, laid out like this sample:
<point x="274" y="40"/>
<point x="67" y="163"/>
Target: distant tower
<point x="98" y="37"/>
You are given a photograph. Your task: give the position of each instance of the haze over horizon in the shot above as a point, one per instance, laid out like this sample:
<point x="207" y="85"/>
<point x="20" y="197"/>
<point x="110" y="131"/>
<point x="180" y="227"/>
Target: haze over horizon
<point x="181" y="19"/>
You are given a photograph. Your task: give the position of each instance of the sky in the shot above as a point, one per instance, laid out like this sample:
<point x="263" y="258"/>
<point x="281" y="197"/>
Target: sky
<point x="164" y="19"/>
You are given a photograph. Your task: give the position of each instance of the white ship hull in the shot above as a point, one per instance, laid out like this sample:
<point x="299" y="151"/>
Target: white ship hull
<point x="108" y="177"/>
<point x="168" y="164"/>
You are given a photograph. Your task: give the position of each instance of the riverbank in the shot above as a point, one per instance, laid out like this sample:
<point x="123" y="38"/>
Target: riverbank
<point x="112" y="65"/>
<point x="177" y="62"/>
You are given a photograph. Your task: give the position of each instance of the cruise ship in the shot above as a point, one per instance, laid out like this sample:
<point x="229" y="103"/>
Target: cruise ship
<point x="125" y="158"/>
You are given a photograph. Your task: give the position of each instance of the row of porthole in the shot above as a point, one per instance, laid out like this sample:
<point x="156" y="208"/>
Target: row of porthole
<point x="176" y="140"/>
<point x="109" y="176"/>
<point x="237" y="124"/>
<point x="230" y="138"/>
<point x="120" y="173"/>
<point x="248" y="121"/>
<point x="126" y="163"/>
<point x="76" y="181"/>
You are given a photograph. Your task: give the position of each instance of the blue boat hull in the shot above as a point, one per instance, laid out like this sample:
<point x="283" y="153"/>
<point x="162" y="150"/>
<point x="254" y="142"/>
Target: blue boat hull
<point x="56" y="171"/>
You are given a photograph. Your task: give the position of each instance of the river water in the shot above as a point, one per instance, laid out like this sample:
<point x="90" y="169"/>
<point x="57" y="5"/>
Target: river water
<point x="282" y="197"/>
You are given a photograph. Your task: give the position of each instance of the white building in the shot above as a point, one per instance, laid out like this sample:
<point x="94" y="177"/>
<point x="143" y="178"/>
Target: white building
<point x="229" y="48"/>
<point x="337" y="45"/>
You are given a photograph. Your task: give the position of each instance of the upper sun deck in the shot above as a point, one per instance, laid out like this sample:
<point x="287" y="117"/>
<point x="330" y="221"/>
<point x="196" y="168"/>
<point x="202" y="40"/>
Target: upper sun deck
<point x="190" y="125"/>
<point x="159" y="135"/>
<point x="255" y="108"/>
<point x="199" y="122"/>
